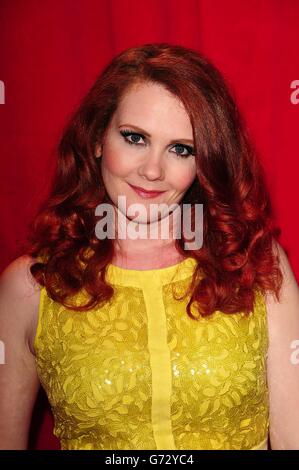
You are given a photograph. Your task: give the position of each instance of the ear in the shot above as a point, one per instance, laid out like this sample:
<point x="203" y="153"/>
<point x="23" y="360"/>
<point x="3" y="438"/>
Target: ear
<point x="98" y="150"/>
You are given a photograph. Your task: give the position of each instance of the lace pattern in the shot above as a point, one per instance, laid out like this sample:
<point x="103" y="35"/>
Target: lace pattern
<point x="138" y="373"/>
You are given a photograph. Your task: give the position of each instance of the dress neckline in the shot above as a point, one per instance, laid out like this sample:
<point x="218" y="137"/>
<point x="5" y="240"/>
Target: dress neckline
<point x="159" y="276"/>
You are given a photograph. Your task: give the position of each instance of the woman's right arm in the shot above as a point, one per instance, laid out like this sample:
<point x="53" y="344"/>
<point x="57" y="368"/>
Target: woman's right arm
<point x="19" y="383"/>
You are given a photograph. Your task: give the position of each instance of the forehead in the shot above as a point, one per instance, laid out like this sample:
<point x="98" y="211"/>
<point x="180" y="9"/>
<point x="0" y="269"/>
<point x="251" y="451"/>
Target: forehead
<point x="149" y="102"/>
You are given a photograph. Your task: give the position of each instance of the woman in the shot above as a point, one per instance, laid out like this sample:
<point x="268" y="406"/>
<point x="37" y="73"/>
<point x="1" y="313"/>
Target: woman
<point x="145" y="342"/>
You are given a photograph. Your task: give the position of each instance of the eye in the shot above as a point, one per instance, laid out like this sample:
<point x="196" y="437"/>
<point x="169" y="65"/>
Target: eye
<point x="132" y="135"/>
<point x="181" y="148"/>
<point x="133" y="138"/>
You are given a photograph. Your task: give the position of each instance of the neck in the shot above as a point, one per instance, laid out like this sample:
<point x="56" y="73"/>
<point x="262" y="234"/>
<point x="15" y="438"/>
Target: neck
<point x="149" y="245"/>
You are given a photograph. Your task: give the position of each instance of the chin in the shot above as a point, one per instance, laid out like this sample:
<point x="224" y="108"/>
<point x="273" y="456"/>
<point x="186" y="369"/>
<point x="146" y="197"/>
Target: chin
<point x="142" y="220"/>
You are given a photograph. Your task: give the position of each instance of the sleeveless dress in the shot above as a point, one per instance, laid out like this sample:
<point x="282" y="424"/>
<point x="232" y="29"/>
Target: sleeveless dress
<point x="139" y="373"/>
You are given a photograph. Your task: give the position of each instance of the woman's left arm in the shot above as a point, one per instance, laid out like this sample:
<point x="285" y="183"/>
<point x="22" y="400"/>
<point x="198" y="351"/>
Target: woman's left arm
<point x="283" y="360"/>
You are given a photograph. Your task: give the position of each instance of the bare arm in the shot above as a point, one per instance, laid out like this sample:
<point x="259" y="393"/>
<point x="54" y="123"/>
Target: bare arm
<point x="19" y="383"/>
<point x="283" y="361"/>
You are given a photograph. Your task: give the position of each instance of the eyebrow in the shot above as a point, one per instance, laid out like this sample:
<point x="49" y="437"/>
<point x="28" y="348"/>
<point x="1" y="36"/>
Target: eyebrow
<point x="148" y="135"/>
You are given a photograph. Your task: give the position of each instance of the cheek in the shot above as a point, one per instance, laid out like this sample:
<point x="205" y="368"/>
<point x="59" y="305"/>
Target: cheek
<point x="115" y="162"/>
<point x="182" y="176"/>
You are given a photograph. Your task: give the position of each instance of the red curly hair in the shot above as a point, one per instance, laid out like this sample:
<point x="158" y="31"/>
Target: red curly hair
<point x="237" y="256"/>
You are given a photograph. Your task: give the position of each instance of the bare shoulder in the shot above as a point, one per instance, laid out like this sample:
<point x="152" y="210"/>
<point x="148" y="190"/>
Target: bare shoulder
<point x="289" y="293"/>
<point x="19" y="380"/>
<point x="283" y="316"/>
<point x="19" y="296"/>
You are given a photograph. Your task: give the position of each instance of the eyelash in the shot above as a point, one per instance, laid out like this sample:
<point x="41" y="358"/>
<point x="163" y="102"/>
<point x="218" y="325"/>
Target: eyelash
<point x="126" y="133"/>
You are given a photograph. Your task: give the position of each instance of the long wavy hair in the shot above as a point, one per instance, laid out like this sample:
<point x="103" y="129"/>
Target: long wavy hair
<point x="237" y="255"/>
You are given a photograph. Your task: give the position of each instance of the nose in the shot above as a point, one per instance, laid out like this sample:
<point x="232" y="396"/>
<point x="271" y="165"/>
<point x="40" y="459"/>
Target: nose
<point x="152" y="167"/>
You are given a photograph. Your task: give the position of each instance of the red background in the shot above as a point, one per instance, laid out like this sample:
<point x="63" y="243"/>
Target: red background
<point x="52" y="51"/>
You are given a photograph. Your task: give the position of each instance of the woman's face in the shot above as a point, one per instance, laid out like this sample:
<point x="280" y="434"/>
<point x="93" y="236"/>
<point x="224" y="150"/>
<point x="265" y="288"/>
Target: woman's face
<point x="148" y="144"/>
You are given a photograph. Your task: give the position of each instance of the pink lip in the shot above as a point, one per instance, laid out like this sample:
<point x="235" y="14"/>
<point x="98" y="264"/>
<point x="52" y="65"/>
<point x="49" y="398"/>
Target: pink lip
<point x="144" y="193"/>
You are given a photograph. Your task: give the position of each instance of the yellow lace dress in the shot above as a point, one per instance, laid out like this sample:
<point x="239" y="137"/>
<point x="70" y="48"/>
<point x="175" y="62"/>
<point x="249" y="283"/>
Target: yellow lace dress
<point x="139" y="373"/>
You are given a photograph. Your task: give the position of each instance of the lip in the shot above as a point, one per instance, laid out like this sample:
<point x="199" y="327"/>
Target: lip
<point x="144" y="193"/>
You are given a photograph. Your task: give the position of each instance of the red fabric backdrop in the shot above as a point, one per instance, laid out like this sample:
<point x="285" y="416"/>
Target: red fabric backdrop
<point x="52" y="51"/>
